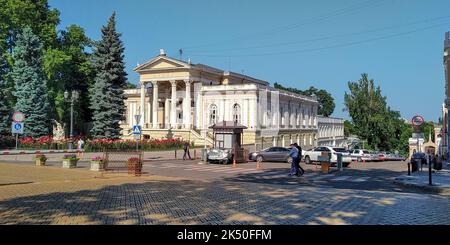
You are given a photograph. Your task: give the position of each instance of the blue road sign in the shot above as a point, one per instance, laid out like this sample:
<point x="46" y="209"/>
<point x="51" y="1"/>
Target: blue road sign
<point x="17" y="128"/>
<point x="137" y="129"/>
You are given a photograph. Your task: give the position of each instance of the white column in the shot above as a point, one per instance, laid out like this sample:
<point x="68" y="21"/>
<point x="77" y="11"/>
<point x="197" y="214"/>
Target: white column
<point x="166" y="113"/>
<point x="198" y="105"/>
<point x="155" y="104"/>
<point x="187" y="106"/>
<point x="142" y="107"/>
<point x="173" y="105"/>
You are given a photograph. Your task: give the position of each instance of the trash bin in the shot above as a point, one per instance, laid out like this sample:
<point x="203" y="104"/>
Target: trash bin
<point x="339" y="161"/>
<point x="437" y="166"/>
<point x="414" y="166"/>
<point x="325" y="167"/>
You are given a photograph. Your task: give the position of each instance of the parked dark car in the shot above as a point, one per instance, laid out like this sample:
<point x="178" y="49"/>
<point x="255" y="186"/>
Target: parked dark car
<point x="272" y="154"/>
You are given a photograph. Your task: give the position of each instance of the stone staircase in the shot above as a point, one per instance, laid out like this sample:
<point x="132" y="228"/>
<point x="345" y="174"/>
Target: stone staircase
<point x="199" y="140"/>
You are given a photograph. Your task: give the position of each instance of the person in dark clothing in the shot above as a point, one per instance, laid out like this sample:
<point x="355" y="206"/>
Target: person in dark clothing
<point x="186" y="151"/>
<point x="302" y="171"/>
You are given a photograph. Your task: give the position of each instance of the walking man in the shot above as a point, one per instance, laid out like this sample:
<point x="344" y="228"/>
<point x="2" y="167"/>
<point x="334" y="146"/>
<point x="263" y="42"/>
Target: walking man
<point x="294" y="155"/>
<point x="299" y="159"/>
<point x="186" y="151"/>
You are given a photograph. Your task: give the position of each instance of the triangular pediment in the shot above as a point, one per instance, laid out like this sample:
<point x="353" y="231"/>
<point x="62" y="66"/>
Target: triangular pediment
<point x="161" y="62"/>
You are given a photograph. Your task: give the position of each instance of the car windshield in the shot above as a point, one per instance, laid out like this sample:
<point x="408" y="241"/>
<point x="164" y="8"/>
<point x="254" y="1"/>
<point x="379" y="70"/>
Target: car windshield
<point x="339" y="149"/>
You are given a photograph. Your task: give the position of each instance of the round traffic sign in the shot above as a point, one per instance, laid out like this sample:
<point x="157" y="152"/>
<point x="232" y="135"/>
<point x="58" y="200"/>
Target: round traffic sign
<point x="18" y="126"/>
<point x="417" y="121"/>
<point x="18" y="116"/>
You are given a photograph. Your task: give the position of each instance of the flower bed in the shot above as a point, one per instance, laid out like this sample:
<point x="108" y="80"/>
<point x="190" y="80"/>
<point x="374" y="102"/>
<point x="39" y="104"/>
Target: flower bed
<point x="40" y="159"/>
<point x="70" y="161"/>
<point x="98" y="163"/>
<point x="145" y="145"/>
<point x="96" y="145"/>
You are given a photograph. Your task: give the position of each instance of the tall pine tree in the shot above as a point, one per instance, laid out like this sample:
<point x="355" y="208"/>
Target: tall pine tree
<point x="30" y="84"/>
<point x="4" y="105"/>
<point x="107" y="99"/>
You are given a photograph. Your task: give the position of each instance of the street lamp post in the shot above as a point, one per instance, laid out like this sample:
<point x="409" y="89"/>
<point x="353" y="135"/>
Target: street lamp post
<point x="71" y="97"/>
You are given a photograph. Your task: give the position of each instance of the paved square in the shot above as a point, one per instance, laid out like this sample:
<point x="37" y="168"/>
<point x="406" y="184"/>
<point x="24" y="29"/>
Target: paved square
<point x="225" y="195"/>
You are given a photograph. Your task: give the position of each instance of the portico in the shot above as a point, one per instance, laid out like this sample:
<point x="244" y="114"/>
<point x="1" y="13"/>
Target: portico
<point x="169" y="104"/>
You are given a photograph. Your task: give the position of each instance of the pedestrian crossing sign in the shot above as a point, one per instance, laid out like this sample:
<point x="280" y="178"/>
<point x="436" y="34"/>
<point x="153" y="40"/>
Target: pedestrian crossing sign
<point x="136" y="129"/>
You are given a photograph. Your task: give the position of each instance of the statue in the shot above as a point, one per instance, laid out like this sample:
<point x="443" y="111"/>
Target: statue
<point x="58" y="131"/>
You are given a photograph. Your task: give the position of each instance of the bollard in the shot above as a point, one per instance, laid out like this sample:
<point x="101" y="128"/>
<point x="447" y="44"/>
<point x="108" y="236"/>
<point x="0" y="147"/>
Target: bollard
<point x="175" y="154"/>
<point x="429" y="174"/>
<point x="409" y="168"/>
<point x="195" y="154"/>
<point x="234" y="158"/>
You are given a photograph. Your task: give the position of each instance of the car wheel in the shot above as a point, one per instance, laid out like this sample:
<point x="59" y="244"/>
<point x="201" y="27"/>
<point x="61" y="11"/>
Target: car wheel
<point x="289" y="160"/>
<point x="346" y="164"/>
<point x="307" y="160"/>
<point x="259" y="158"/>
<point x="359" y="159"/>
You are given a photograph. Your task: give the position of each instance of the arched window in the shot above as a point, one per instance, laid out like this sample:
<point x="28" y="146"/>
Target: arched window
<point x="237" y="113"/>
<point x="212" y="114"/>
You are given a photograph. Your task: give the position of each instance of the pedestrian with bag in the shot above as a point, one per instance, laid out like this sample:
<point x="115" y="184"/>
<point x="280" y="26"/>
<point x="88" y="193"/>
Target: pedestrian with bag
<point x="293" y="153"/>
<point x="299" y="159"/>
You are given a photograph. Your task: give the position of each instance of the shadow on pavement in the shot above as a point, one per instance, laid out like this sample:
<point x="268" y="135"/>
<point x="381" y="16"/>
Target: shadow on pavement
<point x="194" y="202"/>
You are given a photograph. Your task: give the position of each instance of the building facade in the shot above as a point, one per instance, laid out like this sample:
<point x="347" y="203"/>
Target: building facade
<point x="446" y="119"/>
<point x="180" y="99"/>
<point x="331" y="132"/>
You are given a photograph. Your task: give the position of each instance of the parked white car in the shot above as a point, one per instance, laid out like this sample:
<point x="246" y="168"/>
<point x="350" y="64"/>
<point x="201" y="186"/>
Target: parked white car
<point x="313" y="155"/>
<point x="362" y="155"/>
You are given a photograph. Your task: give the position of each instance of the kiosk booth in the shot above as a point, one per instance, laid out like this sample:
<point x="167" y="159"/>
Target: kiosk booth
<point x="228" y="140"/>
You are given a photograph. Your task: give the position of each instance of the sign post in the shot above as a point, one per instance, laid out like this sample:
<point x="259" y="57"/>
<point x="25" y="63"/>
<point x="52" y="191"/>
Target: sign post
<point x="17" y="125"/>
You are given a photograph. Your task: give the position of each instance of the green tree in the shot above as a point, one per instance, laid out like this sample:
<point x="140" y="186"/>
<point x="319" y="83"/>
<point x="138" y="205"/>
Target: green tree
<point x="15" y="15"/>
<point x="326" y="101"/>
<point x="69" y="68"/>
<point x="107" y="93"/>
<point x="373" y="120"/>
<point x="18" y="14"/>
<point x="4" y="106"/>
<point x="30" y="84"/>
<point x="349" y="129"/>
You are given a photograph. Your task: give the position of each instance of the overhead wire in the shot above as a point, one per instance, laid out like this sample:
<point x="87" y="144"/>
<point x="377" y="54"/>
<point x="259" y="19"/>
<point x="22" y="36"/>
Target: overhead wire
<point x="349" y="9"/>
<point x="327" y="47"/>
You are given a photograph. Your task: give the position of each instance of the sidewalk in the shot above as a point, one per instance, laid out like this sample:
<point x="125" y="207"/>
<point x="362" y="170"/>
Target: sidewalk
<point x="440" y="180"/>
<point x="56" y="156"/>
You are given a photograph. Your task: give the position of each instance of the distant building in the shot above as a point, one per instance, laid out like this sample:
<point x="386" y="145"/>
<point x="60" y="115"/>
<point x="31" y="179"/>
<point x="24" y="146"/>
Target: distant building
<point x="445" y="118"/>
<point x="331" y="131"/>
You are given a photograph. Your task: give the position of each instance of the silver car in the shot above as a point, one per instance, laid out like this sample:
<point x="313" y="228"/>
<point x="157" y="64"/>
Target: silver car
<point x="272" y="154"/>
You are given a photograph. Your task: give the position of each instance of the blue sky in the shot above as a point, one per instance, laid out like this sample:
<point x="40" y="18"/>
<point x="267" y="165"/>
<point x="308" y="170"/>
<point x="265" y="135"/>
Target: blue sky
<point x="321" y="43"/>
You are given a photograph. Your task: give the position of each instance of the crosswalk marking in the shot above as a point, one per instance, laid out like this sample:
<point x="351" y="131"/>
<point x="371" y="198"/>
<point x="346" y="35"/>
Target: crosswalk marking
<point x="361" y="179"/>
<point x="266" y="174"/>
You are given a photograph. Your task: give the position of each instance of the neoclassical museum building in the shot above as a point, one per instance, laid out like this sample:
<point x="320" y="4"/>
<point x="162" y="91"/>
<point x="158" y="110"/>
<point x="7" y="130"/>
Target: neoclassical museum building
<point x="178" y="99"/>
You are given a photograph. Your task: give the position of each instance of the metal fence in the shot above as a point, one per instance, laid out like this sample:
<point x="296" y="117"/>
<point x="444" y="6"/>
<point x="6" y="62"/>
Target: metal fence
<point x="117" y="160"/>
